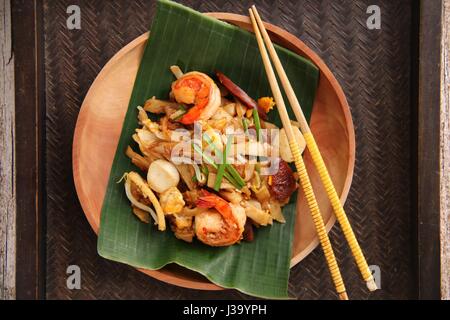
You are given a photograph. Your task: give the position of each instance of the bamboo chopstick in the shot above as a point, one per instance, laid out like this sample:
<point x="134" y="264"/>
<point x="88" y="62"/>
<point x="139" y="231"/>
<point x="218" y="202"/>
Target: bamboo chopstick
<point x="318" y="160"/>
<point x="301" y="169"/>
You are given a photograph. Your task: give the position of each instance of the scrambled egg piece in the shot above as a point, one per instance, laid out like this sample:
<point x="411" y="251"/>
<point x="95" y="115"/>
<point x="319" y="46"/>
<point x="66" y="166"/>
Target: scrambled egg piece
<point x="171" y="201"/>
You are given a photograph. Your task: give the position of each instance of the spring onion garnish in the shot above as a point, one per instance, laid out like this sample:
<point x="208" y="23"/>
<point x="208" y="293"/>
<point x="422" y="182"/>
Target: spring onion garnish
<point x="179" y="113"/>
<point x="211" y="143"/>
<point x="210" y="161"/>
<point x="245" y="125"/>
<point x="222" y="166"/>
<point x="204" y="170"/>
<point x="257" y="124"/>
<point x="232" y="180"/>
<point x="257" y="179"/>
<point x="205" y="157"/>
<point x="236" y="176"/>
<point x="228" y="167"/>
<point x="199" y="176"/>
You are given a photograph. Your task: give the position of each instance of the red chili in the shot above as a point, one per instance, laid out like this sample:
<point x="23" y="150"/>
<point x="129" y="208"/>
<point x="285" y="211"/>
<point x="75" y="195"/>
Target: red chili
<point x="236" y="91"/>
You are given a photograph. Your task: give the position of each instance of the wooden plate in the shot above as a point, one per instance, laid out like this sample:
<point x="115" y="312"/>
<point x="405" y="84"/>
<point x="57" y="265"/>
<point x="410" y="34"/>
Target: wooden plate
<point x="100" y="122"/>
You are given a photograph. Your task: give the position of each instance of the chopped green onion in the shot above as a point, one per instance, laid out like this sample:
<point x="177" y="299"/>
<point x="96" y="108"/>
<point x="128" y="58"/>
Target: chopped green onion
<point x="222" y="166"/>
<point x="229" y="177"/>
<point x="239" y="182"/>
<point x="236" y="176"/>
<point x="200" y="177"/>
<point x="208" y="160"/>
<point x="212" y="144"/>
<point x="219" y="177"/>
<point x="177" y="114"/>
<point x="232" y="181"/>
<point x="257" y="124"/>
<point x="245" y="125"/>
<point x="204" y="170"/>
<point x="228" y="167"/>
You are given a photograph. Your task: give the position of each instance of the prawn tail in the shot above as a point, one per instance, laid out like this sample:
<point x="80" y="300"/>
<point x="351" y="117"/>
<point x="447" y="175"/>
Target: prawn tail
<point x="206" y="202"/>
<point x="191" y="116"/>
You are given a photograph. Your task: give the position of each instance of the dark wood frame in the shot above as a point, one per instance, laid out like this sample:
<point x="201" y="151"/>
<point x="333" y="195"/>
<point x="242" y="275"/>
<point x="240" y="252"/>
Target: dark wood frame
<point x="428" y="144"/>
<point x="30" y="136"/>
<point x="27" y="20"/>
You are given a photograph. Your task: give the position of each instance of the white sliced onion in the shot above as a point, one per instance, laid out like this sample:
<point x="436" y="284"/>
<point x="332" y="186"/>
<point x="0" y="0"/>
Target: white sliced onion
<point x="146" y="137"/>
<point x="136" y="203"/>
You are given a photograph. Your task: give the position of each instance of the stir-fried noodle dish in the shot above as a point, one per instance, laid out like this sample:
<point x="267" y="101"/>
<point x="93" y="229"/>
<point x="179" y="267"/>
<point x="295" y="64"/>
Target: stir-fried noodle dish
<point x="212" y="166"/>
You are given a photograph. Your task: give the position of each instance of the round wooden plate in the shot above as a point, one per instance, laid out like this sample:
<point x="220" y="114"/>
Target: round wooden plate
<point x="100" y="122"/>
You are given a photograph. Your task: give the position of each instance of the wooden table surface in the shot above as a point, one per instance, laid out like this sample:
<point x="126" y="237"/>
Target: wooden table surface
<point x="7" y="191"/>
<point x="7" y="160"/>
<point x="445" y="153"/>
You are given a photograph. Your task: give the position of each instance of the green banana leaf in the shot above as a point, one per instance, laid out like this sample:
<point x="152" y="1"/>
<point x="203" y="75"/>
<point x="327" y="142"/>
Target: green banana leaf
<point x="184" y="37"/>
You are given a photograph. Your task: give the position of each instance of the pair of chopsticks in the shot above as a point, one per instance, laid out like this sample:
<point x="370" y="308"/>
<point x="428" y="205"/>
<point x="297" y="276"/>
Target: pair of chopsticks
<point x="263" y="41"/>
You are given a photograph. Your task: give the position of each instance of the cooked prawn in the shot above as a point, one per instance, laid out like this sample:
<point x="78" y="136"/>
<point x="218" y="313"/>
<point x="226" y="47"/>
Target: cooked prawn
<point x="220" y="227"/>
<point x="200" y="90"/>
